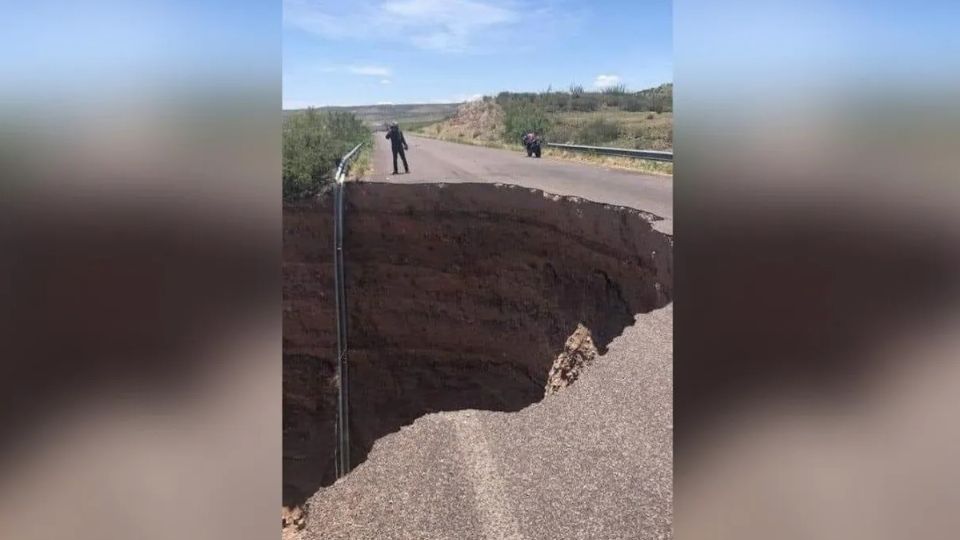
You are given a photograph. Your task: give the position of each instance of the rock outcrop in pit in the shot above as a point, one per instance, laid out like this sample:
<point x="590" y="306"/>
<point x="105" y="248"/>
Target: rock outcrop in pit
<point x="460" y="296"/>
<point x="578" y="352"/>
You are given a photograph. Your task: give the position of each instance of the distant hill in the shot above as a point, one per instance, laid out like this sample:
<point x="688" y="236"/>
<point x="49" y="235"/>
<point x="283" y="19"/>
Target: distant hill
<point x="416" y="113"/>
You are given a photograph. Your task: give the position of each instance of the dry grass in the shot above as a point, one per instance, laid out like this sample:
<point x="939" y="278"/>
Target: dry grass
<point x="614" y="162"/>
<point x="363" y="163"/>
<point x="639" y="130"/>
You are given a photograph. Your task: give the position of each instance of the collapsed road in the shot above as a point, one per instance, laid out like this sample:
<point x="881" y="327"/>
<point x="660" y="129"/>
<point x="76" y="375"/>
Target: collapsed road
<point x="464" y="299"/>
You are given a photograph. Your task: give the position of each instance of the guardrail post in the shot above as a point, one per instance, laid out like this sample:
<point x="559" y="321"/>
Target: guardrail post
<point x="342" y="454"/>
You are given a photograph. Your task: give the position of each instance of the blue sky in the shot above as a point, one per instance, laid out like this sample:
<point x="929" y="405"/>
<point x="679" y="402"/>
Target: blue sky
<point x="54" y="51"/>
<point x="416" y="51"/>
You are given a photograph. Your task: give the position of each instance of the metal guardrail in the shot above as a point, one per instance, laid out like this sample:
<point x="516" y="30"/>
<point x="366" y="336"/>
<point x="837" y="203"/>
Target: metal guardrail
<point x="343" y="373"/>
<point x="344" y="164"/>
<point x="655" y="155"/>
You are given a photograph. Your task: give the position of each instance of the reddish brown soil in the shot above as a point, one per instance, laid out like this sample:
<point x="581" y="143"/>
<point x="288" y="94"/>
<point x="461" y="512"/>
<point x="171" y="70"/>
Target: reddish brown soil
<point x="460" y="296"/>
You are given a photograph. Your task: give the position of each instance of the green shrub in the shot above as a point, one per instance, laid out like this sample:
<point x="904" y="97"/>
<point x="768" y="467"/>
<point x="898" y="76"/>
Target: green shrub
<point x="313" y="143"/>
<point x="632" y="103"/>
<point x="562" y="133"/>
<point x="522" y="117"/>
<point x="584" y="102"/>
<point x="598" y="131"/>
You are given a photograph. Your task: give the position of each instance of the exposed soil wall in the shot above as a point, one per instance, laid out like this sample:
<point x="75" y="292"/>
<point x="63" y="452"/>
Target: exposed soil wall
<point x="459" y="296"/>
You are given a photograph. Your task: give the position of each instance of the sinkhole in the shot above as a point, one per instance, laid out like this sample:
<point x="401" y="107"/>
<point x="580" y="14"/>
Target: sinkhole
<point x="459" y="296"/>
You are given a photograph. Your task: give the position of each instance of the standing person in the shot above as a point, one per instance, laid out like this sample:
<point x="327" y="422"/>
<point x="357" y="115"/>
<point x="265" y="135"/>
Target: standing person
<point x="398" y="144"/>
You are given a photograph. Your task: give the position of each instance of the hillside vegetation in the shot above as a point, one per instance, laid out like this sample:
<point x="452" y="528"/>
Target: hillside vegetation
<point x="313" y="143"/>
<point x="408" y="115"/>
<point x="615" y="117"/>
<point x="574" y="117"/>
<point x="575" y="99"/>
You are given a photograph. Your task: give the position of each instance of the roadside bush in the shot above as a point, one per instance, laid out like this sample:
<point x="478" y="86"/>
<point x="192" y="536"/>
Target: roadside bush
<point x="585" y="102"/>
<point x="634" y="103"/>
<point x="614" y="99"/>
<point x="313" y="142"/>
<point x="598" y="131"/>
<point x="650" y="137"/>
<point x="522" y="117"/>
<point x="562" y="133"/>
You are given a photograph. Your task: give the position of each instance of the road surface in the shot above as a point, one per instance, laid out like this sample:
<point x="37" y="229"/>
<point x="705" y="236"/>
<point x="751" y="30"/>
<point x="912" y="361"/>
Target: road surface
<point x="594" y="461"/>
<point x="440" y="161"/>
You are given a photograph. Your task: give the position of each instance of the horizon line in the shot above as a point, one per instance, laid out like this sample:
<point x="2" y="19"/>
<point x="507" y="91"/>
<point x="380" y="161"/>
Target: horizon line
<point x="599" y="90"/>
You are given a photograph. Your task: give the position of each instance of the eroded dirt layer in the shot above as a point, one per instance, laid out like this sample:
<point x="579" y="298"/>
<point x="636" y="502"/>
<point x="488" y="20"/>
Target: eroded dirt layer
<point x="460" y="296"/>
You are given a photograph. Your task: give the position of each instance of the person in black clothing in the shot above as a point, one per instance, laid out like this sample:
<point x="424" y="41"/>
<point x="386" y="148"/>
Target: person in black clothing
<point x="398" y="144"/>
<point x="531" y="141"/>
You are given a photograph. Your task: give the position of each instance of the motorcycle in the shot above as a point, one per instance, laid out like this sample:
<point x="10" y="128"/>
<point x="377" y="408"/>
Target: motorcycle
<point x="532" y="144"/>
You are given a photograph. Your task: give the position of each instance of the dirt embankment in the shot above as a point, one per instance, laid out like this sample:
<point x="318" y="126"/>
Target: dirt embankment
<point x="478" y="122"/>
<point x="460" y="296"/>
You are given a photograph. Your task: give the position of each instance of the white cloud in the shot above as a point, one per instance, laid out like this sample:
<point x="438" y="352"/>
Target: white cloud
<point x="385" y="81"/>
<point x="606" y="81"/>
<point x="374" y="71"/>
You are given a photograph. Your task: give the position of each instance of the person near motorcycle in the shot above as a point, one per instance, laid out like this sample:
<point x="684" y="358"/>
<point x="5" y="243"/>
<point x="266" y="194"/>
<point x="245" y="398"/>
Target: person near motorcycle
<point x="397" y="145"/>
<point x="531" y="141"/>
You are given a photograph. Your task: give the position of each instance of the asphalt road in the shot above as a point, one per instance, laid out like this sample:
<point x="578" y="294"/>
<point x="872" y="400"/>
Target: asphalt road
<point x="431" y="160"/>
<point x="594" y="461"/>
